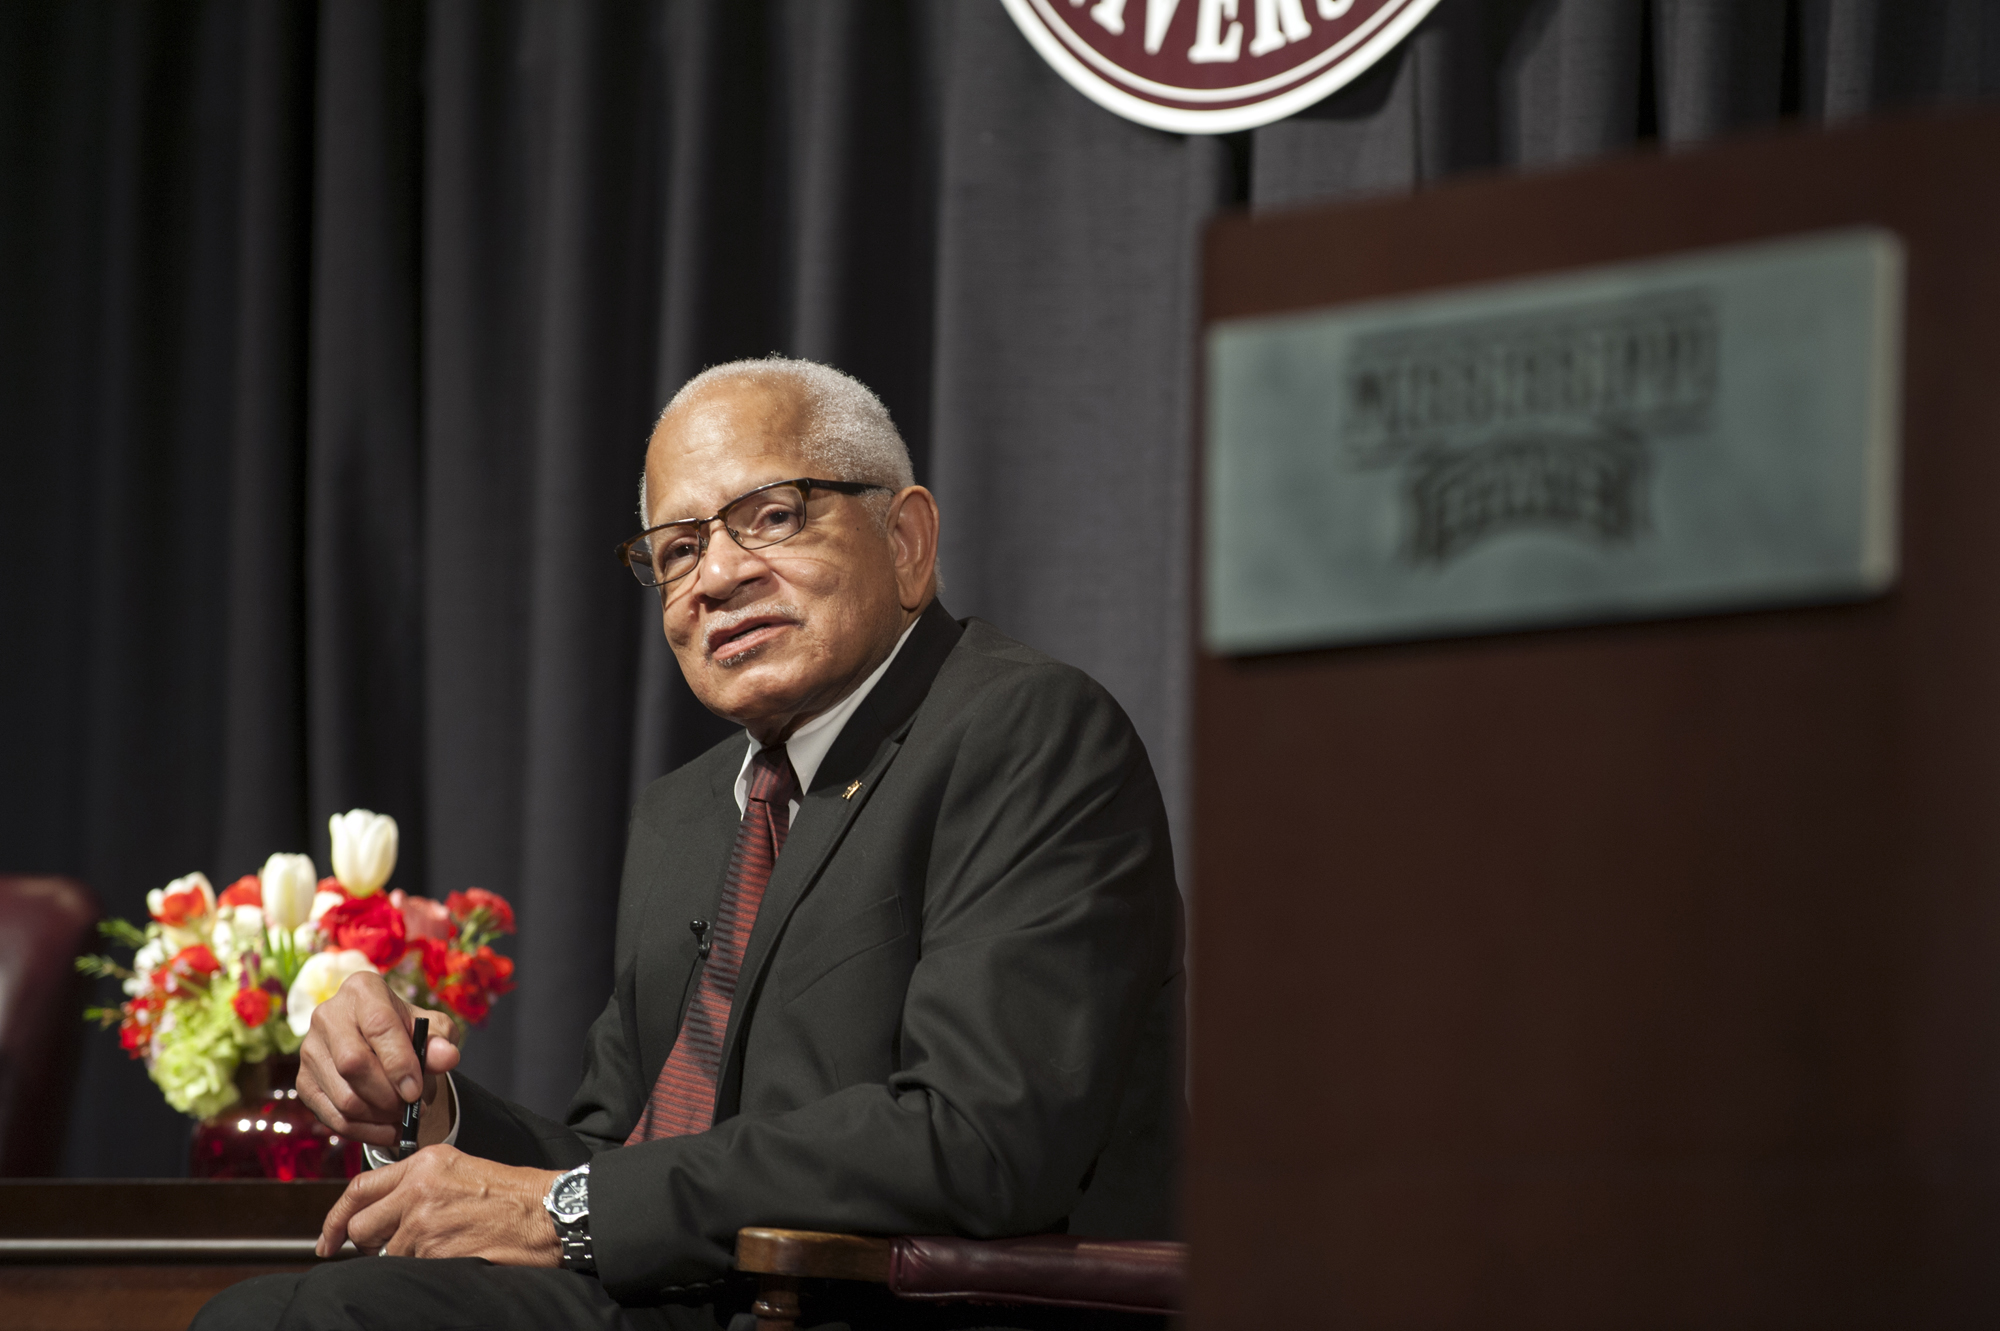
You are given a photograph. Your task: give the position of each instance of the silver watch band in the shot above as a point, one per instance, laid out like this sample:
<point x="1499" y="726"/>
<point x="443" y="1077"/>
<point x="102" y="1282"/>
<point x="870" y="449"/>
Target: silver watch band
<point x="577" y="1254"/>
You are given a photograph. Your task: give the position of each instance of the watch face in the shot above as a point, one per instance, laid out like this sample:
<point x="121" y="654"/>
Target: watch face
<point x="572" y="1196"/>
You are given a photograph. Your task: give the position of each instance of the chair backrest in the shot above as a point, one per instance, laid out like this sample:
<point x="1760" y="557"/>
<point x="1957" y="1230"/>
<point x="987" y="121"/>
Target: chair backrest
<point x="44" y="923"/>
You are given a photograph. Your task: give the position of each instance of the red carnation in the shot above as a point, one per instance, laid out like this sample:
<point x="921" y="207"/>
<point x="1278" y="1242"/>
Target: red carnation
<point x="473" y="980"/>
<point x="188" y="968"/>
<point x="369" y="925"/>
<point x="253" y="1006"/>
<point x="135" y="1031"/>
<point x="499" y="915"/>
<point x="245" y="891"/>
<point x="435" y="958"/>
<point x="331" y="885"/>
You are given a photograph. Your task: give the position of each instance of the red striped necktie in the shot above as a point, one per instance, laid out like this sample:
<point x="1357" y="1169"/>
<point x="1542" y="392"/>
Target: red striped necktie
<point x="683" y="1098"/>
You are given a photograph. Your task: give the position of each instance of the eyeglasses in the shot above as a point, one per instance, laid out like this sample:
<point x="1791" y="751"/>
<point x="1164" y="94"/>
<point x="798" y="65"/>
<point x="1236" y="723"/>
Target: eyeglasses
<point x="765" y="516"/>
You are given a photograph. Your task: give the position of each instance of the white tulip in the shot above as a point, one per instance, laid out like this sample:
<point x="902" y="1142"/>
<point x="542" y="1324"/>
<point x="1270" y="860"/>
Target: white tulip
<point x="364" y="850"/>
<point x="320" y="979"/>
<point x="289" y="882"/>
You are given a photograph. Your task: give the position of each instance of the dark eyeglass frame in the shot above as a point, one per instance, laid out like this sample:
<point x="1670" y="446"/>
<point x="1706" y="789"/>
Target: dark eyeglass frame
<point x="642" y="569"/>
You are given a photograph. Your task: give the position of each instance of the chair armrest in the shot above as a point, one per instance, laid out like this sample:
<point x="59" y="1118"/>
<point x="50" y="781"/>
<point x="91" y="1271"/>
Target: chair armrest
<point x="804" y="1252"/>
<point x="1055" y="1270"/>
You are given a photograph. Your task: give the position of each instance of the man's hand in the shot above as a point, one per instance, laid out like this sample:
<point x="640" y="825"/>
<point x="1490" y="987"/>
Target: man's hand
<point x="357" y="1070"/>
<point x="442" y="1202"/>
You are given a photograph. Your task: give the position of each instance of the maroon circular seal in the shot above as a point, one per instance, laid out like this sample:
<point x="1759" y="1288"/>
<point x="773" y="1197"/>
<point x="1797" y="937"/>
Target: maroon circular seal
<point x="1212" y="66"/>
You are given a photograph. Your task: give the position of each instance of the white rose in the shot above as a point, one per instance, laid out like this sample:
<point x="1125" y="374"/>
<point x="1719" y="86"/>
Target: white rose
<point x="322" y="903"/>
<point x="289" y="884"/>
<point x="320" y="979"/>
<point x="364" y="850"/>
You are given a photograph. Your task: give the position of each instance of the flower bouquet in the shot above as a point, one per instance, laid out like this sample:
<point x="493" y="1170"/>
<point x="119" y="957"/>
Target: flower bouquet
<point x="222" y="987"/>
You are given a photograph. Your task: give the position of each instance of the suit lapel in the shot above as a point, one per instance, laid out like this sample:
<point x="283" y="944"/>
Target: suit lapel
<point x="868" y="743"/>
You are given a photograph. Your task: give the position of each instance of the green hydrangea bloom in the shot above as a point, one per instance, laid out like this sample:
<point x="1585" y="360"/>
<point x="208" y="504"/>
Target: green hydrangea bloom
<point x="198" y="1057"/>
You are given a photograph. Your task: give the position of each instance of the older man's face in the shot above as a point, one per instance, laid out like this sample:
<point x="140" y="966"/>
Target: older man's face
<point x="770" y="637"/>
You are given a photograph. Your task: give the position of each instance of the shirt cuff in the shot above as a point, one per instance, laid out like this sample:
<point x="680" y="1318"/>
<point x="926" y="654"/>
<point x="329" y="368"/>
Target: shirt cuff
<point x="376" y="1160"/>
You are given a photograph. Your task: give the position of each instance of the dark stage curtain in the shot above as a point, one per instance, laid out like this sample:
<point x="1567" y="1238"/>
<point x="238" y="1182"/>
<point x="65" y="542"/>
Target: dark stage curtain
<point x="330" y="336"/>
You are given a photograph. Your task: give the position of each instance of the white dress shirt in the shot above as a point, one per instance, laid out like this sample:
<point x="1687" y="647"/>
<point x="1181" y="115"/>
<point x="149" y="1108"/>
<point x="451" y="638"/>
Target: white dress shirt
<point x="807" y="748"/>
<point x="811" y="742"/>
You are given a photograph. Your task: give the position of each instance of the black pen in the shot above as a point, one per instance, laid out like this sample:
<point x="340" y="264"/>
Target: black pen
<point x="420" y="1039"/>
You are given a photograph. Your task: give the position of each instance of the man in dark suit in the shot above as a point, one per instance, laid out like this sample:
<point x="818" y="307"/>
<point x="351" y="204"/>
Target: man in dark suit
<point x="931" y="983"/>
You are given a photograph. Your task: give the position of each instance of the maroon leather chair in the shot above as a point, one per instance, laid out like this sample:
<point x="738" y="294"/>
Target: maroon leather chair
<point x="45" y="922"/>
<point x="1048" y="1270"/>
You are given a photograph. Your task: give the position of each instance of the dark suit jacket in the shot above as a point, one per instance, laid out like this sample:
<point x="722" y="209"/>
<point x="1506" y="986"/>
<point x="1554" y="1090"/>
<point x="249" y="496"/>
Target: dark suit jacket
<point x="958" y="1007"/>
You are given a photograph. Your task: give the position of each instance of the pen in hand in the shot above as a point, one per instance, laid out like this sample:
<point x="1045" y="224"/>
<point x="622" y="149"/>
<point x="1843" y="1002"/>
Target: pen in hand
<point x="406" y="1141"/>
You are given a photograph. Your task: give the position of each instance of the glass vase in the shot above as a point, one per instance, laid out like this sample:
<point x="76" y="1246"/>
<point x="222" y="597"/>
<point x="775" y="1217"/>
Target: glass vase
<point x="269" y="1133"/>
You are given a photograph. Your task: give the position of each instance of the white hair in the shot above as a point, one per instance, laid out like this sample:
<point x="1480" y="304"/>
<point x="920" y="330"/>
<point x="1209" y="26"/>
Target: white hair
<point x="846" y="436"/>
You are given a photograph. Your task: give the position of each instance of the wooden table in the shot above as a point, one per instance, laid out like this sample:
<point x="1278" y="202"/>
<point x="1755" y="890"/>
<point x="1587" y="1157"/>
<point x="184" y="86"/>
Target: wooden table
<point x="145" y="1254"/>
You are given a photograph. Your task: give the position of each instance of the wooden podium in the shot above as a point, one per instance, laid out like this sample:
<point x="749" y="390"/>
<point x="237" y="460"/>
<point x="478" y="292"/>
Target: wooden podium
<point x="1624" y="976"/>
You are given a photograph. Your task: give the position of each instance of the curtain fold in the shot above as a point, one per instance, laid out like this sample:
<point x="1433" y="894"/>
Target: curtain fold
<point x="1569" y="82"/>
<point x="330" y="337"/>
<point x="262" y="803"/>
<point x="1720" y="65"/>
<point x="364" y="443"/>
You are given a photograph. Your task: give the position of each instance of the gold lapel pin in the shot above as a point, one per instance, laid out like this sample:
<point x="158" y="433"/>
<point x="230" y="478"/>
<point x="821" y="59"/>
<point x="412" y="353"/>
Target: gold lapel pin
<point x="848" y="794"/>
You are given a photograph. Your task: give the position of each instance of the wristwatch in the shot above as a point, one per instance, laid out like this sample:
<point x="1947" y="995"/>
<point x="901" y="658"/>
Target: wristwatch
<point x="568" y="1204"/>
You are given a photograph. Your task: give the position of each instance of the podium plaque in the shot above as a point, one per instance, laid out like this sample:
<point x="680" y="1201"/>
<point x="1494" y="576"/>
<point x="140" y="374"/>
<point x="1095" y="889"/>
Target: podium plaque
<point x="1708" y="431"/>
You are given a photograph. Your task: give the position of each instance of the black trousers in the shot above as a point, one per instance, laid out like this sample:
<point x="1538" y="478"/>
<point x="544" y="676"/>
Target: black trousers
<point x="459" y="1294"/>
<point x="413" y="1294"/>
